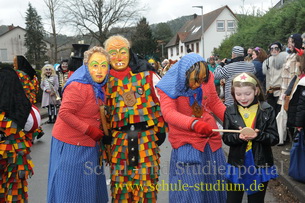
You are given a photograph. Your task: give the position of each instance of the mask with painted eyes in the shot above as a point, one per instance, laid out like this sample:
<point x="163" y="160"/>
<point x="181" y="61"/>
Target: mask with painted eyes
<point x="197" y="76"/>
<point x="48" y="71"/>
<point x="119" y="54"/>
<point x="64" y="66"/>
<point x="274" y="50"/>
<point x="98" y="67"/>
<point x="152" y="62"/>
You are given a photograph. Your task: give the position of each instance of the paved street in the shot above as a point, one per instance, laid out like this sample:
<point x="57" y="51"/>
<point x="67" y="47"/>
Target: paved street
<point x="40" y="154"/>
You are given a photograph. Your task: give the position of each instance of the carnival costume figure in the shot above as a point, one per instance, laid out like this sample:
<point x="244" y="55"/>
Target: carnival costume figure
<point x="50" y="96"/>
<point x="17" y="122"/>
<point x="28" y="78"/>
<point x="62" y="73"/>
<point x="136" y="122"/>
<point x="188" y="101"/>
<point x="77" y="57"/>
<point x="75" y="171"/>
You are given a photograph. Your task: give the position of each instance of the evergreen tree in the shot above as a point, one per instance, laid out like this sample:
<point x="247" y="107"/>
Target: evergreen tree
<point x="163" y="34"/>
<point x="143" y="42"/>
<point x="36" y="47"/>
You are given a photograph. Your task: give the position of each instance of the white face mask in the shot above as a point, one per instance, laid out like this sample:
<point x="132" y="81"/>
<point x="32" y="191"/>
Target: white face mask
<point x="48" y="72"/>
<point x="64" y="66"/>
<point x="274" y="50"/>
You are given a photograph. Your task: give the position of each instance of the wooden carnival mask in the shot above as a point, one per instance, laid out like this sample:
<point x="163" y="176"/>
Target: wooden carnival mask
<point x="98" y="67"/>
<point x="119" y="54"/>
<point x="197" y="77"/>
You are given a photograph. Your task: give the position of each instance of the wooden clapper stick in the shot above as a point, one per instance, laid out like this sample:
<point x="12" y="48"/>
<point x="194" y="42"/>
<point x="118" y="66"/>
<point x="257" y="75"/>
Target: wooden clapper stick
<point x="245" y="131"/>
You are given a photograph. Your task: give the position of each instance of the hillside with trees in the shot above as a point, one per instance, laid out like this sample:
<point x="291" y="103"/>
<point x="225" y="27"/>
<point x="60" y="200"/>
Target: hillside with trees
<point x="261" y="30"/>
<point x="255" y="29"/>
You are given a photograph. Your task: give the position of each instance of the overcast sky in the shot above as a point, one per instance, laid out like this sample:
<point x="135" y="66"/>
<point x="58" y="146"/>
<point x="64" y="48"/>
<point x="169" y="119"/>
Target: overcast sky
<point x="13" y="11"/>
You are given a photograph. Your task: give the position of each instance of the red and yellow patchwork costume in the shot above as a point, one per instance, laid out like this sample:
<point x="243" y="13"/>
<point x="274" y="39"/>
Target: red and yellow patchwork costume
<point x="30" y="87"/>
<point x="15" y="163"/>
<point x="135" y="160"/>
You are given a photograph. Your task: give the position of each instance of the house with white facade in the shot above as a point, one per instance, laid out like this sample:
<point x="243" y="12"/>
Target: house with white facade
<point x="12" y="41"/>
<point x="217" y="25"/>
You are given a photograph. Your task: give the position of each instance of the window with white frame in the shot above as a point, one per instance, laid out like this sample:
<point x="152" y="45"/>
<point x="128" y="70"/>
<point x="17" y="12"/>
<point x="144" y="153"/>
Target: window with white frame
<point x="220" y="25"/>
<point x="177" y="50"/>
<point x="3" y="54"/>
<point x="171" y="50"/>
<point x="230" y="25"/>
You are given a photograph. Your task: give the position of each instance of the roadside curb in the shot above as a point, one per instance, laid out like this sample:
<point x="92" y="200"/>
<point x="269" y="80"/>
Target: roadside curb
<point x="295" y="187"/>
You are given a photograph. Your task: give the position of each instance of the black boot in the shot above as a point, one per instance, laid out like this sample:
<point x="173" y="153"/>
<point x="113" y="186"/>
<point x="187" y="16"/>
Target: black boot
<point x="40" y="135"/>
<point x="50" y="119"/>
<point x="54" y="118"/>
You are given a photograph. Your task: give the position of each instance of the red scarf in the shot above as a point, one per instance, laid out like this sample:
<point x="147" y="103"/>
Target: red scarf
<point x="120" y="74"/>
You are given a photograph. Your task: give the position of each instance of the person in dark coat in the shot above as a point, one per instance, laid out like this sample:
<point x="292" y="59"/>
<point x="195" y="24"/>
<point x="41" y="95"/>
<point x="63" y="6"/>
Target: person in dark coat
<point x="296" y="91"/>
<point x="259" y="55"/>
<point x="250" y="159"/>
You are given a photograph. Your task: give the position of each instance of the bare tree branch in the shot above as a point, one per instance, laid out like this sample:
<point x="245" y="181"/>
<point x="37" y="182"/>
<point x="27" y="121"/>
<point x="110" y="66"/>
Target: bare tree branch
<point x="97" y="17"/>
<point x="53" y="6"/>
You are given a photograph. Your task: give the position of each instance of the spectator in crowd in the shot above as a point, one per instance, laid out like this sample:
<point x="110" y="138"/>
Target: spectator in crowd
<point x="77" y="57"/>
<point x="164" y="63"/>
<point x="296" y="93"/>
<point x="62" y="73"/>
<point x="50" y="96"/>
<point x="212" y="66"/>
<point x="232" y="67"/>
<point x="248" y="54"/>
<point x="272" y="68"/>
<point x="259" y="55"/>
<point x="290" y="69"/>
<point x="189" y="50"/>
<point x="303" y="40"/>
<point x="154" y="62"/>
<point x="168" y="66"/>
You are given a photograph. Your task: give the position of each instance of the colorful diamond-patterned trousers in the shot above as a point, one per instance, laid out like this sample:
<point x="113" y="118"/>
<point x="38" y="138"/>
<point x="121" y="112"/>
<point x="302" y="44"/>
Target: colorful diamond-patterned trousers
<point x="135" y="183"/>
